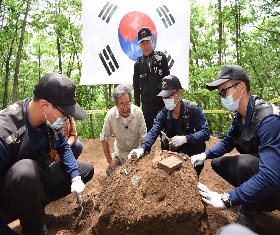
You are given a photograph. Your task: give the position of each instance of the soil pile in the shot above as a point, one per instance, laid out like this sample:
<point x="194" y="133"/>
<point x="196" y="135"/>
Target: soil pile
<point x="141" y="198"/>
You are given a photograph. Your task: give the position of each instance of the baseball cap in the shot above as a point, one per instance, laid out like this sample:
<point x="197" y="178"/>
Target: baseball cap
<point x="228" y="72"/>
<point x="169" y="83"/>
<point x="144" y="34"/>
<point x="59" y="90"/>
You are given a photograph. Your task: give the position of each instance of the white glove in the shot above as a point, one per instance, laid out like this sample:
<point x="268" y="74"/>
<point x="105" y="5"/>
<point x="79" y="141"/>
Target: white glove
<point x="198" y="159"/>
<point x="139" y="152"/>
<point x="77" y="189"/>
<point x="211" y="198"/>
<point x="178" y="140"/>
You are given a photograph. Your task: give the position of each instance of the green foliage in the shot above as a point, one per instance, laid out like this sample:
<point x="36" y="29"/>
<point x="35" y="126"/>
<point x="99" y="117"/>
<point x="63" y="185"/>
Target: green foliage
<point x="91" y="126"/>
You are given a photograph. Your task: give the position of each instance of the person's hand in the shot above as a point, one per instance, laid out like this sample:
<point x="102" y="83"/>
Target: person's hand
<point x="113" y="164"/>
<point x="138" y="152"/>
<point x="211" y="198"/>
<point x="198" y="159"/>
<point x="54" y="156"/>
<point x="77" y="189"/>
<point x="178" y="140"/>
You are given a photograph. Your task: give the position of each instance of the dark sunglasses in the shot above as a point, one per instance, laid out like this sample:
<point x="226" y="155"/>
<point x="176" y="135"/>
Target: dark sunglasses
<point x="173" y="93"/>
<point x="223" y="92"/>
<point x="63" y="113"/>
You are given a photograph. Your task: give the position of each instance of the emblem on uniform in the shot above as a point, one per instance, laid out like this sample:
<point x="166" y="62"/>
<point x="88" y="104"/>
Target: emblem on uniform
<point x="164" y="84"/>
<point x="158" y="57"/>
<point x="160" y="71"/>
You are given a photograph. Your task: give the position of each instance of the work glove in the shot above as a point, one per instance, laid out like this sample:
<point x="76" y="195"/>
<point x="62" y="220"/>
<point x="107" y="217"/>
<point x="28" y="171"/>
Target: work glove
<point x="139" y="152"/>
<point x="198" y="159"/>
<point x="178" y="140"/>
<point x="77" y="189"/>
<point x="211" y="198"/>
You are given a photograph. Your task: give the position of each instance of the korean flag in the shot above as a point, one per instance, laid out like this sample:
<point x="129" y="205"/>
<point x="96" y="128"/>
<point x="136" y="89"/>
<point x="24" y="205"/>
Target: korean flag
<point x="110" y="44"/>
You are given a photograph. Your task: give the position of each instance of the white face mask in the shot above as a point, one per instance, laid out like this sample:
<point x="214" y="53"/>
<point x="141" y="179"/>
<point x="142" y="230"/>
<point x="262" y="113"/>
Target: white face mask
<point x="58" y="123"/>
<point x="169" y="104"/>
<point x="229" y="104"/>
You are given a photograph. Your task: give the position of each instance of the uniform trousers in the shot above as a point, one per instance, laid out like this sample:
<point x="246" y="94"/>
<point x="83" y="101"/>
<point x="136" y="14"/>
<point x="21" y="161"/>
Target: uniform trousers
<point x="25" y="191"/>
<point x="240" y="168"/>
<point x="150" y="111"/>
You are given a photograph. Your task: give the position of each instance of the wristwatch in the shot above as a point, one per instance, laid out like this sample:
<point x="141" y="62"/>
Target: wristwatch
<point x="225" y="197"/>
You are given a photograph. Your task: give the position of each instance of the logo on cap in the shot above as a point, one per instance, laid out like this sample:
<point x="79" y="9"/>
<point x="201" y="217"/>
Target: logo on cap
<point x="164" y="84"/>
<point x="143" y="33"/>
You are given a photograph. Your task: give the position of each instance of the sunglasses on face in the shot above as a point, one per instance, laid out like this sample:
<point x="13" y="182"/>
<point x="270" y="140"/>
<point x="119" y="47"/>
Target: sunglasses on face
<point x="223" y="92"/>
<point x="63" y="113"/>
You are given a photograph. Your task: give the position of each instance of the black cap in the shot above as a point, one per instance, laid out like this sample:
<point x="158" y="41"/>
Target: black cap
<point x="144" y="34"/>
<point x="228" y="72"/>
<point x="59" y="90"/>
<point x="169" y="83"/>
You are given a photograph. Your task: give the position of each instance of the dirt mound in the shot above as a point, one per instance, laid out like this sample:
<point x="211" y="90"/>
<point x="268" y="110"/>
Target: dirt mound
<point x="141" y="198"/>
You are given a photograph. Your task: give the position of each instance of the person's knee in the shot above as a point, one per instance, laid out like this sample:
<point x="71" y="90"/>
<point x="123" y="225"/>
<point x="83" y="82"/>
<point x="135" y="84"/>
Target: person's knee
<point x="86" y="170"/>
<point x="248" y="161"/>
<point x="77" y="148"/>
<point x="24" y="174"/>
<point x="90" y="172"/>
<point x="108" y="170"/>
<point x="214" y="164"/>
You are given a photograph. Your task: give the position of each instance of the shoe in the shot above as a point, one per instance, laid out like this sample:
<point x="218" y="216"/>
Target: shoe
<point x="44" y="231"/>
<point x="245" y="217"/>
<point x="49" y="220"/>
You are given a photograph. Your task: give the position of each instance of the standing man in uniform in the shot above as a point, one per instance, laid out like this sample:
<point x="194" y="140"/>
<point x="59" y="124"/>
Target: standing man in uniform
<point x="149" y="70"/>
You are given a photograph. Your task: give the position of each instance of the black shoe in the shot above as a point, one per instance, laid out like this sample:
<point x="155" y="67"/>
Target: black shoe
<point x="44" y="231"/>
<point x="49" y="220"/>
<point x="245" y="217"/>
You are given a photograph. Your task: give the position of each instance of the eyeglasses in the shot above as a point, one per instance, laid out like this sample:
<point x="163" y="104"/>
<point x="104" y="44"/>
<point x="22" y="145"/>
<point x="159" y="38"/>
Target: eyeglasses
<point x="63" y="113"/>
<point x="223" y="92"/>
<point x="124" y="105"/>
<point x="171" y="94"/>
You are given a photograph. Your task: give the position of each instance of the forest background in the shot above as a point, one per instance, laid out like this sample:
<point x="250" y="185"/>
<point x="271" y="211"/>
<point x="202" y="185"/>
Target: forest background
<point x="43" y="36"/>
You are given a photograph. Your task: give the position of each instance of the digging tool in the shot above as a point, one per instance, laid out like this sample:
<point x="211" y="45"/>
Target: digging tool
<point x="169" y="139"/>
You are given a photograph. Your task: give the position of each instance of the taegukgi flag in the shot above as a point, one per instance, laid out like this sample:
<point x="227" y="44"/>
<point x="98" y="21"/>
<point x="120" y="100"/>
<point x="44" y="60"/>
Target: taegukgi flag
<point x="110" y="44"/>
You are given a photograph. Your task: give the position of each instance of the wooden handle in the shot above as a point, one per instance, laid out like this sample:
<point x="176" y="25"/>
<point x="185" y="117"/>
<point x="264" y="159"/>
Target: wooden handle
<point x="165" y="136"/>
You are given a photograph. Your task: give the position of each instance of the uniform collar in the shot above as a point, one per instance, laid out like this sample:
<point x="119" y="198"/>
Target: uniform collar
<point x="182" y="110"/>
<point x="249" y="112"/>
<point x="149" y="56"/>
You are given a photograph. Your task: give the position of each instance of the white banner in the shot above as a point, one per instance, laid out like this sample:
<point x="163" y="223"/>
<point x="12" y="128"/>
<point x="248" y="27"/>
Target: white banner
<point x="110" y="45"/>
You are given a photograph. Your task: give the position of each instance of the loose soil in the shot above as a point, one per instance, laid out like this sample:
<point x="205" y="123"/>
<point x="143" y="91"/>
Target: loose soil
<point x="158" y="202"/>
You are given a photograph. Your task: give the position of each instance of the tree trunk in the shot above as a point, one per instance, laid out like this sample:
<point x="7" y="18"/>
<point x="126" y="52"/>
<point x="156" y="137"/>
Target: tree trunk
<point x="59" y="48"/>
<point x="15" y="86"/>
<point x="106" y="96"/>
<point x="7" y="68"/>
<point x="220" y="32"/>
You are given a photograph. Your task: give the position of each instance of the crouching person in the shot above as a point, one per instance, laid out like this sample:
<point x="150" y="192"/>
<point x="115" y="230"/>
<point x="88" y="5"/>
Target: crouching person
<point x="126" y="122"/>
<point x="254" y="132"/>
<point x="28" y="130"/>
